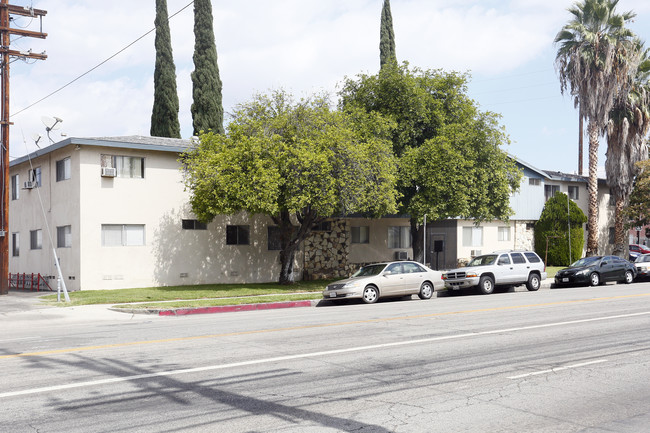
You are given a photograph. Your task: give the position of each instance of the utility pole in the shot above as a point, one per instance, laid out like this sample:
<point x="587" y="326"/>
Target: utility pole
<point x="6" y="10"/>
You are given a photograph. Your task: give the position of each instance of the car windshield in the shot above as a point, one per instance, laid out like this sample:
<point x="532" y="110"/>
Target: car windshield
<point x="483" y="260"/>
<point x="643" y="258"/>
<point x="586" y="261"/>
<point x="368" y="271"/>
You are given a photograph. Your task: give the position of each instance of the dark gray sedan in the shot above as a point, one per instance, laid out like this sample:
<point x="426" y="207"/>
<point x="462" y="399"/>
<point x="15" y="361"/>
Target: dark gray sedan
<point x="596" y="270"/>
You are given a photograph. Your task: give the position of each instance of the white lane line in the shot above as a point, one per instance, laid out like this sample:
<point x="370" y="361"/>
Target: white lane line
<point x="304" y="355"/>
<point x="553" y="370"/>
<point x="6" y="340"/>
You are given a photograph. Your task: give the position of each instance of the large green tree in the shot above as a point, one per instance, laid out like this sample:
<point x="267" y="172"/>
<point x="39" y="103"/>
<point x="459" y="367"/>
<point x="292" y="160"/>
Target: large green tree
<point x="594" y="65"/>
<point x="450" y="154"/>
<point x="207" y="105"/>
<point x="164" y="117"/>
<point x="386" y="37"/>
<point x="627" y="131"/>
<point x="297" y="162"/>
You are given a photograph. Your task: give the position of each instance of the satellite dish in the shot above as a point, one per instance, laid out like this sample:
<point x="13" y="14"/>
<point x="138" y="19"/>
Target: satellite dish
<point x="51" y="123"/>
<point x="36" y="137"/>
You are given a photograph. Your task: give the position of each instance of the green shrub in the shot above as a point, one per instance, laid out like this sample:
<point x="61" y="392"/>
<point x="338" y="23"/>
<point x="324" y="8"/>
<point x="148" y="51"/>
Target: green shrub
<point x="552" y="228"/>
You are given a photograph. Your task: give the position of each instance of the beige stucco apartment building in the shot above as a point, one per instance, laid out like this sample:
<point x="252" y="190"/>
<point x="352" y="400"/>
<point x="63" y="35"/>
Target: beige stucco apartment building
<point x="116" y="212"/>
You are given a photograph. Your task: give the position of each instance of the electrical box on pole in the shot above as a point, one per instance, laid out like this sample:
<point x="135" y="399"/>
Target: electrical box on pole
<point x="6" y="11"/>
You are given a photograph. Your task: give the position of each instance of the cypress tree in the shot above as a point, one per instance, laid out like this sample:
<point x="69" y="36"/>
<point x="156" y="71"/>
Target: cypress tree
<point x="207" y="106"/>
<point x="386" y="37"/>
<point x="164" y="117"/>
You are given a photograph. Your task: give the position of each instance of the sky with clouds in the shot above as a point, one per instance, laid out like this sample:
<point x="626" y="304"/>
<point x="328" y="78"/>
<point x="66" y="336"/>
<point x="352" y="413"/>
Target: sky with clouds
<point x="303" y="46"/>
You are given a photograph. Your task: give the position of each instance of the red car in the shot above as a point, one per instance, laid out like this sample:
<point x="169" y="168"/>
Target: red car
<point x="641" y="249"/>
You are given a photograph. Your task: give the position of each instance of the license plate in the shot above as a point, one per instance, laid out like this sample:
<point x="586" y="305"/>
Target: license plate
<point x="565" y="280"/>
<point x="332" y="294"/>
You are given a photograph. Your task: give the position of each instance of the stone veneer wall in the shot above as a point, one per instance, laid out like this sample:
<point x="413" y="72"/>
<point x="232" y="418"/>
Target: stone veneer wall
<point x="524" y="237"/>
<point x="327" y="252"/>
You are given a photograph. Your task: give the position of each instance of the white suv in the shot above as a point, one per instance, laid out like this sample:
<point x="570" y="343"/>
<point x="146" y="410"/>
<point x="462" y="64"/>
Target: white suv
<point x="505" y="269"/>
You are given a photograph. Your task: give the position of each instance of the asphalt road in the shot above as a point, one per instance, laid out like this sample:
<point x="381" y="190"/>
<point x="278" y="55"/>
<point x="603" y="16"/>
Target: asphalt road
<point x="561" y="360"/>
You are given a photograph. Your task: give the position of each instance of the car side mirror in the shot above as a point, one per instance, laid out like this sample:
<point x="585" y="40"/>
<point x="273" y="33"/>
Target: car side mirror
<point x="603" y="264"/>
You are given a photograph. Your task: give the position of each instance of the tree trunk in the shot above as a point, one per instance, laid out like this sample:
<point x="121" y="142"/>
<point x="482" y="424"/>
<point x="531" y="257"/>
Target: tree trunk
<point x="592" y="189"/>
<point x="620" y="236"/>
<point x="417" y="232"/>
<point x="287" y="256"/>
<point x="580" y="138"/>
<point x="288" y="247"/>
<point x="290" y="239"/>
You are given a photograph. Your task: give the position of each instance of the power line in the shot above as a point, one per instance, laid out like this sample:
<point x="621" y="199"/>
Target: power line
<point x="98" y="65"/>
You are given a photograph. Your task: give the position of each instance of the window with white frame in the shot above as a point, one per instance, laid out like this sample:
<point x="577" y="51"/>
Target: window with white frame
<point x="504" y="234"/>
<point x="574" y="192"/>
<point x="122" y="235"/>
<point x="35" y="176"/>
<point x="399" y="237"/>
<point x="534" y="181"/>
<point x="550" y="191"/>
<point x="63" y="237"/>
<point x="125" y="166"/>
<point x="15" y="187"/>
<point x="15" y="244"/>
<point x="63" y="169"/>
<point x="36" y="239"/>
<point x="473" y="236"/>
<point x="360" y="234"/>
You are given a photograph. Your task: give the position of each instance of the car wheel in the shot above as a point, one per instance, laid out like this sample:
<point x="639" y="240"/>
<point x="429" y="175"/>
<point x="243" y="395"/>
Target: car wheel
<point x="594" y="279"/>
<point x="533" y="282"/>
<point x="370" y="294"/>
<point x="486" y="285"/>
<point x="426" y="290"/>
<point x="629" y="277"/>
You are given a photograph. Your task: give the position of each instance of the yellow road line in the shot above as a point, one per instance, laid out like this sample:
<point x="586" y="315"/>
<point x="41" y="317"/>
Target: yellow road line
<point x="324" y="325"/>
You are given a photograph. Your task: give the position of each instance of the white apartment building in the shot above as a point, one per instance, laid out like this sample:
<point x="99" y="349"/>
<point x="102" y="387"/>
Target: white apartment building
<point x="116" y="212"/>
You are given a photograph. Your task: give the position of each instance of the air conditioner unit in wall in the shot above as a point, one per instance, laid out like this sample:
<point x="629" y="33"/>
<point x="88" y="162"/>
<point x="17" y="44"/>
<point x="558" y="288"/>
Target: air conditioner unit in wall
<point x="29" y="184"/>
<point x="475" y="253"/>
<point x="109" y="172"/>
<point x="401" y="255"/>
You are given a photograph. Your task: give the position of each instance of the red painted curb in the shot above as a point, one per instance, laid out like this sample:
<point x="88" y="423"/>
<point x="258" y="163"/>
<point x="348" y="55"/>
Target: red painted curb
<point x="233" y="308"/>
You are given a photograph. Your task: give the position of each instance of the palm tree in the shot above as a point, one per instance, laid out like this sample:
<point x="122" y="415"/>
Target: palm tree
<point x="627" y="130"/>
<point x="593" y="63"/>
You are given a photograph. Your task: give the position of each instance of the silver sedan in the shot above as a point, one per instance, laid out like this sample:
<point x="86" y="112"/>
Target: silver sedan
<point x="374" y="281"/>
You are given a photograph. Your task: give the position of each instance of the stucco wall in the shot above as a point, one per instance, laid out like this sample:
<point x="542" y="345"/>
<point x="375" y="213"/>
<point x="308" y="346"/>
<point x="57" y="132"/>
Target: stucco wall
<point x="46" y="208"/>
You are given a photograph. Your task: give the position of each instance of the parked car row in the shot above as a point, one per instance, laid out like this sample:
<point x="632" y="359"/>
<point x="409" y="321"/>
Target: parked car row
<point x="501" y="269"/>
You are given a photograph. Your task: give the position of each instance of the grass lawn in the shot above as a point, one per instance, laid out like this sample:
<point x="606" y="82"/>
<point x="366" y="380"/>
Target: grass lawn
<point x="207" y="294"/>
<point x="552" y="270"/>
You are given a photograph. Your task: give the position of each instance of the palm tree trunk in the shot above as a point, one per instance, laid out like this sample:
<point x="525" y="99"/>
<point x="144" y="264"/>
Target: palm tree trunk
<point x="580" y="137"/>
<point x="619" y="228"/>
<point x="592" y="189"/>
